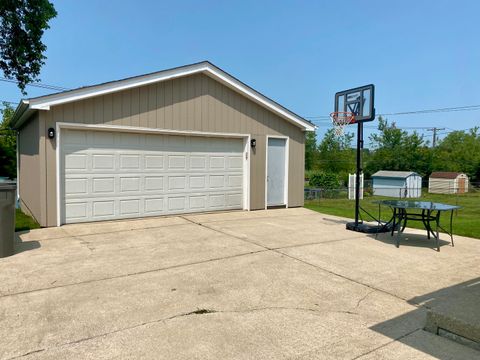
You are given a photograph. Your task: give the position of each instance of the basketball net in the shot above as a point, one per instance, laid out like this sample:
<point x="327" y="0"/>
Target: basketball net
<point x="341" y="119"/>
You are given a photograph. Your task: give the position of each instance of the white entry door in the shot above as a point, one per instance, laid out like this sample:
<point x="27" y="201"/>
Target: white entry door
<point x="276" y="172"/>
<point x="113" y="175"/>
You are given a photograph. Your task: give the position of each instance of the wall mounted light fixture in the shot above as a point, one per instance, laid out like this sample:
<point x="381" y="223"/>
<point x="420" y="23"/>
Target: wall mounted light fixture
<point x="51" y="133"/>
<point x="253" y="143"/>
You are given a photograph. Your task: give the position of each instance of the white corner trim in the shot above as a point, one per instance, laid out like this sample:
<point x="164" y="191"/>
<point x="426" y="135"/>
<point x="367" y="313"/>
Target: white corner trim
<point x="132" y="129"/>
<point x="59" y="188"/>
<point x="287" y="156"/>
<point x="45" y="102"/>
<point x="18" y="166"/>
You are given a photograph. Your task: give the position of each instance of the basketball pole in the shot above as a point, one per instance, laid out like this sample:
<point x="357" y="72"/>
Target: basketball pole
<point x="359" y="170"/>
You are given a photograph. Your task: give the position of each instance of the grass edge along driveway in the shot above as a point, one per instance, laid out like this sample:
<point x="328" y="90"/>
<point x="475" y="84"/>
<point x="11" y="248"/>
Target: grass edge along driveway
<point x="466" y="221"/>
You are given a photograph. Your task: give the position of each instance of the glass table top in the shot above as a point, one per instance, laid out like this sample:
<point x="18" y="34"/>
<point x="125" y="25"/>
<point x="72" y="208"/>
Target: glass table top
<point x="422" y="205"/>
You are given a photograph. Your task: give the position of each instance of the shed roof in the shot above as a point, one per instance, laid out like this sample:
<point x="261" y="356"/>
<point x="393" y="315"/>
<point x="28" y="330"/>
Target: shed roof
<point x="394" y="174"/>
<point x="28" y="106"/>
<point x="444" y="175"/>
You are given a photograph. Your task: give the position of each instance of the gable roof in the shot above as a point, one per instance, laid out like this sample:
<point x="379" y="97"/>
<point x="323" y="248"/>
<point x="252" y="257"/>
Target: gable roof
<point x="394" y="174"/>
<point x="28" y="106"/>
<point x="444" y="175"/>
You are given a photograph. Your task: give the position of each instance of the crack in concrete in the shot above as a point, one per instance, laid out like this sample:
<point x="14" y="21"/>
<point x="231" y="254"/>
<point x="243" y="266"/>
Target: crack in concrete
<point x="69" y="235"/>
<point x="386" y="344"/>
<point x="135" y="273"/>
<point x="277" y="250"/>
<point x="198" y="311"/>
<point x="26" y="354"/>
<point x="346" y="278"/>
<point x="364" y="298"/>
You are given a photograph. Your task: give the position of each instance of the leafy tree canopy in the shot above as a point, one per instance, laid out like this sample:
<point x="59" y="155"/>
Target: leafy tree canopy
<point x="396" y="149"/>
<point x="459" y="151"/>
<point x="22" y="24"/>
<point x="8" y="144"/>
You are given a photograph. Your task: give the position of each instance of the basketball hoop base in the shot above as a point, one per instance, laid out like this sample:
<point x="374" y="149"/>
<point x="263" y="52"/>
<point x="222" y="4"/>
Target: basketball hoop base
<point x="368" y="228"/>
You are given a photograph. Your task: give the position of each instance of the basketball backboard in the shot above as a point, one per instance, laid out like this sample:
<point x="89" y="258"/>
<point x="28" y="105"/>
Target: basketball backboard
<point x="359" y="101"/>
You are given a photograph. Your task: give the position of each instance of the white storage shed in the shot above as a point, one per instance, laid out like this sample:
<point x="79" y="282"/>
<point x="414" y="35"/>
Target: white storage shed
<point x="445" y="182"/>
<point x="399" y="184"/>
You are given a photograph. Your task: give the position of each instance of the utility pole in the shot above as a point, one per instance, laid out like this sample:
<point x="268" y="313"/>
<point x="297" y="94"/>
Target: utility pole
<point x="435" y="129"/>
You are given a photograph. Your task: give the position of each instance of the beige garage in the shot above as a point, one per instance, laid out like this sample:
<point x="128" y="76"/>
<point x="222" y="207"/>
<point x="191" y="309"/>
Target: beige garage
<point x="189" y="139"/>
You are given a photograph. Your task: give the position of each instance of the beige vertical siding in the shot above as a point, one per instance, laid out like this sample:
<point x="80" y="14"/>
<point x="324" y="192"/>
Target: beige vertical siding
<point x="195" y="102"/>
<point x="29" y="182"/>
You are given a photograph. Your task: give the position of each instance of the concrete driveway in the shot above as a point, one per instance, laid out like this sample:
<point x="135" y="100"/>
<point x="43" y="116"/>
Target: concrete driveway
<point x="277" y="284"/>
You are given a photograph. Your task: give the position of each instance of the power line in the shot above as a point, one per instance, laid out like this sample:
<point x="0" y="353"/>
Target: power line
<point x="413" y="112"/>
<point x="8" y="102"/>
<point x="36" y="84"/>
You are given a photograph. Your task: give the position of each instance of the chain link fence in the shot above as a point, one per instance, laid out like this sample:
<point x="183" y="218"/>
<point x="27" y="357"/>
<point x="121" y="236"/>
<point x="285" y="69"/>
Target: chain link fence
<point x="451" y="192"/>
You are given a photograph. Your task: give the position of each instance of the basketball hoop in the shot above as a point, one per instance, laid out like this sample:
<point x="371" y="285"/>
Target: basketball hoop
<point x="340" y="119"/>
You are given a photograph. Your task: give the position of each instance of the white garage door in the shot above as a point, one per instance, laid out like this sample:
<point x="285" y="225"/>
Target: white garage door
<point x="114" y="175"/>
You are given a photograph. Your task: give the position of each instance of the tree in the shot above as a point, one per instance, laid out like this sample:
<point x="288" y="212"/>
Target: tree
<point x="396" y="149"/>
<point x="336" y="154"/>
<point x="311" y="151"/>
<point x="459" y="151"/>
<point x="22" y="25"/>
<point x="8" y="144"/>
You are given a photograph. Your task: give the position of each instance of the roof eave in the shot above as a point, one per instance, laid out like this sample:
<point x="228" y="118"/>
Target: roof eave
<point x="22" y="113"/>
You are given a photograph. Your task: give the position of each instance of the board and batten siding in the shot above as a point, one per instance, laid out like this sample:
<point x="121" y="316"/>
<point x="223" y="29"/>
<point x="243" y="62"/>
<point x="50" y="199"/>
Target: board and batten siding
<point x="32" y="178"/>
<point x="193" y="103"/>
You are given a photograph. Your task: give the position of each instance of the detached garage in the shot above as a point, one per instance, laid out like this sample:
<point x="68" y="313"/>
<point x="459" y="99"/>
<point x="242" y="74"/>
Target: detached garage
<point x="189" y="139"/>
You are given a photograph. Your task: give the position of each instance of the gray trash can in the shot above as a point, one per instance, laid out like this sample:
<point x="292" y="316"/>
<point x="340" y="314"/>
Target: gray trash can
<point x="7" y="218"/>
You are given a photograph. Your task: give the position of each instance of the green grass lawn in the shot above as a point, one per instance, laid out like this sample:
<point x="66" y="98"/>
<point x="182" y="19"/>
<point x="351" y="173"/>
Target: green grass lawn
<point x="24" y="222"/>
<point x="466" y="221"/>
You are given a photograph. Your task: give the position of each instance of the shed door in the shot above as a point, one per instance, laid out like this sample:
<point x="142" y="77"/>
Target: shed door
<point x="115" y="175"/>
<point x="276" y="172"/>
<point x="461" y="185"/>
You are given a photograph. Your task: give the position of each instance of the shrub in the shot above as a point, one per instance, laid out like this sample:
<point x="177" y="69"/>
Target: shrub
<point x="325" y="180"/>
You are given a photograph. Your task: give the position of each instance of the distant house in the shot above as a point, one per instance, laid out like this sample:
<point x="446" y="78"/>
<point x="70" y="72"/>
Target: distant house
<point x="400" y="184"/>
<point x="444" y="182"/>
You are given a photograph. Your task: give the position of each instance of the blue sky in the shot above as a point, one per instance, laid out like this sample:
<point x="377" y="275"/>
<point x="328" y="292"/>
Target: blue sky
<point x="419" y="54"/>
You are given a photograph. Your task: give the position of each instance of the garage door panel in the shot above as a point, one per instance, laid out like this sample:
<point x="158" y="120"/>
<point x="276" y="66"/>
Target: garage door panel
<point x="103" y="161"/>
<point x="120" y="175"/>
<point x="103" y="208"/>
<point x="198" y="202"/>
<point x="76" y="161"/>
<point x="235" y="181"/>
<point x="129" y="184"/>
<point x="130" y="161"/>
<point x="154" y="205"/>
<point x="103" y="185"/>
<point x="234" y="200"/>
<point x="198" y="162"/>
<point x="176" y="162"/>
<point x="153" y="162"/>
<point x="217" y="162"/>
<point x="216" y="181"/>
<point x="76" y="186"/>
<point x="217" y="200"/>
<point x="130" y="207"/>
<point x="154" y="183"/>
<point x="176" y="203"/>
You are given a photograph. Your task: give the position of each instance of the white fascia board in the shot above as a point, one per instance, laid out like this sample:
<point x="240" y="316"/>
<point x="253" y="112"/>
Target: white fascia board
<point x="44" y="103"/>
<point x="96" y="90"/>
<point x="258" y="98"/>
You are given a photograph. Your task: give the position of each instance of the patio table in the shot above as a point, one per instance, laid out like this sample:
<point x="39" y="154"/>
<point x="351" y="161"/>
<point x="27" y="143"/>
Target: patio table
<point x="424" y="211"/>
